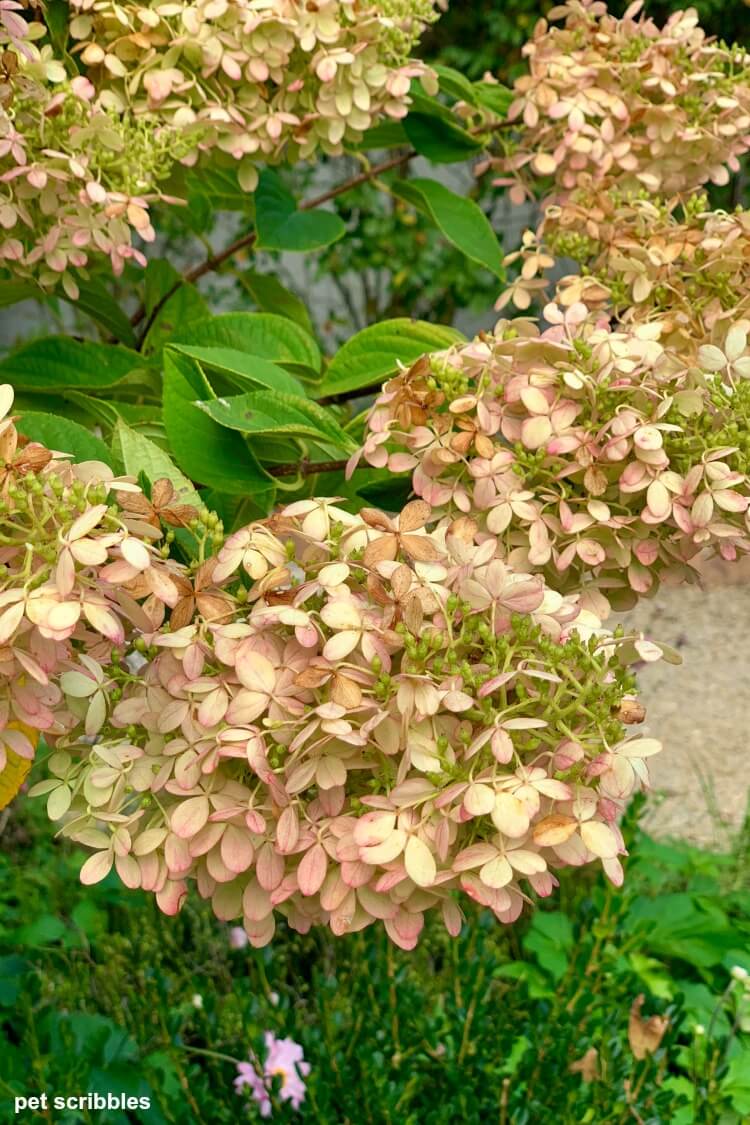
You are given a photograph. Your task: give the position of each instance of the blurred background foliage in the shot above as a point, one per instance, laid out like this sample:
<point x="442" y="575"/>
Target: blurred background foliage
<point x="526" y="1025"/>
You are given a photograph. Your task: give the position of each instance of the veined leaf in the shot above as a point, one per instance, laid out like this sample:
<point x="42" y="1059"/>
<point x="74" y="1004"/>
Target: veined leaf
<point x="64" y="435"/>
<point x="281" y="226"/>
<point x="494" y="97"/>
<point x="458" y="218"/>
<point x="58" y="362"/>
<point x="201" y="447"/>
<point x="375" y="353"/>
<point x="265" y="335"/>
<point x="94" y="300"/>
<point x="268" y="292"/>
<point x="272" y="412"/>
<point x="243" y="369"/>
<point x="141" y="455"/>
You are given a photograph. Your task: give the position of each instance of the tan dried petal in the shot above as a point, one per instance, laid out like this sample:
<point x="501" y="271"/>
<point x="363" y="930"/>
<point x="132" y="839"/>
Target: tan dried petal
<point x="645" y="1036"/>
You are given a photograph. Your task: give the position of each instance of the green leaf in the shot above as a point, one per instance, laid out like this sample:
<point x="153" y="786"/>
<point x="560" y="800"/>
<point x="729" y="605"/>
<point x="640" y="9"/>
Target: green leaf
<point x="271" y="412"/>
<point x="94" y="300"/>
<point x="13" y="969"/>
<point x="271" y="296"/>
<point x="375" y="353"/>
<point x="185" y="306"/>
<point x="243" y="369"/>
<point x="65" y="436"/>
<point x="265" y="335"/>
<point x="57" y="362"/>
<point x="141" y="455"/>
<point x="494" y="97"/>
<point x="388" y="134"/>
<point x="201" y="447"/>
<point x="220" y="186"/>
<point x="458" y="218"/>
<point x="455" y="84"/>
<point x="11" y="292"/>
<point x="440" y="141"/>
<point x="281" y="226"/>
<point x="550" y="936"/>
<point x="435" y="133"/>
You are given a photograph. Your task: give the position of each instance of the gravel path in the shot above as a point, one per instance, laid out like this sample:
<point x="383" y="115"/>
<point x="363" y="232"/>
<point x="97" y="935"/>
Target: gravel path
<point x="699" y="710"/>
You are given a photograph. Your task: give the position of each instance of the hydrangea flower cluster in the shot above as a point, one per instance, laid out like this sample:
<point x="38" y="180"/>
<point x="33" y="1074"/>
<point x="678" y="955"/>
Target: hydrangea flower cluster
<point x="624" y="103"/>
<point x="595" y="457"/>
<point x="82" y="155"/>
<point x="256" y="80"/>
<point x="643" y="259"/>
<point x="364" y="719"/>
<point x="77" y="577"/>
<point x="75" y="178"/>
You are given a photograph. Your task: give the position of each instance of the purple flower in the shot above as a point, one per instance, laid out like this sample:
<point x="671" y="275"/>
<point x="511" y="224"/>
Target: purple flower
<point x="285" y="1059"/>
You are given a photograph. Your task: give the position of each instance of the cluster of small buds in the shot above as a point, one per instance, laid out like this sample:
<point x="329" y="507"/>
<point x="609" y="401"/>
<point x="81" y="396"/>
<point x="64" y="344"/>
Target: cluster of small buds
<point x="380" y="718"/>
<point x="643" y="259"/>
<point x="624" y="103"/>
<point x="76" y="179"/>
<point x="258" y="81"/>
<point x="77" y="576"/>
<point x="594" y="457"/>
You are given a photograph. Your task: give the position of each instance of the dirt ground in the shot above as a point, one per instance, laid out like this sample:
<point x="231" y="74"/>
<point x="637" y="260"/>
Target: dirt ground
<point x="699" y="710"/>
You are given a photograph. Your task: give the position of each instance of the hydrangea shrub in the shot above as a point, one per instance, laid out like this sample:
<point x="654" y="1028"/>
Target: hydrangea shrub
<point x="338" y="715"/>
<point x="360" y="718"/>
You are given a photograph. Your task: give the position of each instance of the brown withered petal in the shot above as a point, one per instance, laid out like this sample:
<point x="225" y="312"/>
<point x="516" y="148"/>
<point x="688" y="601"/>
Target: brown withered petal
<point x="345" y="692"/>
<point x="415" y="515"/>
<point x="631" y="711"/>
<point x="374" y="518"/>
<point x="414" y="615"/>
<point x="464" y="528"/>
<point x="484" y="446"/>
<point x="645" y="1036"/>
<point x="204" y="574"/>
<point x="215" y="607"/>
<point x="162" y="492"/>
<point x="280" y="597"/>
<point x="179" y="515"/>
<point x="135" y="502"/>
<point x="420" y="548"/>
<point x="313" y="676"/>
<point x="461" y="443"/>
<point x="401" y="580"/>
<point x="377" y="590"/>
<point x="587" y="1066"/>
<point x="33" y="457"/>
<point x="182" y="614"/>
<point x="384" y="549"/>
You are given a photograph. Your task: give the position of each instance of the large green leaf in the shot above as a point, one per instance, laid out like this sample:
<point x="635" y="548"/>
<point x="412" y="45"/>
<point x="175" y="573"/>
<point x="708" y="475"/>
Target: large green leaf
<point x="202" y="448"/>
<point x="458" y="218"/>
<point x="65" y="436"/>
<point x="271" y="412"/>
<point x="259" y="334"/>
<point x="375" y="353"/>
<point x="11" y="292"/>
<point x="494" y="97"/>
<point x="242" y="369"/>
<point x="455" y="84"/>
<point x="57" y="362"/>
<point x="281" y="226"/>
<point x="141" y="455"/>
<point x="94" y="300"/>
<point x="184" y="306"/>
<point x="441" y="141"/>
<point x="271" y="296"/>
